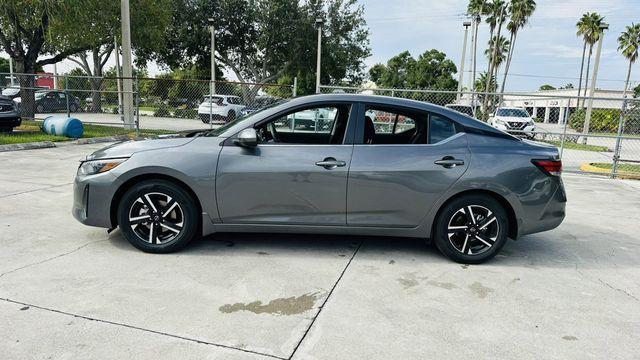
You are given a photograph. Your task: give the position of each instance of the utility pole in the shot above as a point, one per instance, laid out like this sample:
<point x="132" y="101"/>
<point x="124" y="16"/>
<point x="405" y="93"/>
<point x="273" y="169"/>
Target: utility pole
<point x="11" y="70"/>
<point x="116" y="49"/>
<point x="127" y="67"/>
<point x="319" y="22"/>
<point x="474" y="41"/>
<point x="587" y="117"/>
<point x="466" y="25"/>
<point x="213" y="55"/>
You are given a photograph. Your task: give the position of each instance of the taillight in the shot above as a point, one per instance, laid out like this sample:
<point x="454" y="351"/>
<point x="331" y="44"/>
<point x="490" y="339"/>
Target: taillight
<point x="549" y="167"/>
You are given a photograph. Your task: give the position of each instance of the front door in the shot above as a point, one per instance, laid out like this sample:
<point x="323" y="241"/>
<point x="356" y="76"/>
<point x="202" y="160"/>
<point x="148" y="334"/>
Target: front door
<point x="294" y="176"/>
<point x="405" y="161"/>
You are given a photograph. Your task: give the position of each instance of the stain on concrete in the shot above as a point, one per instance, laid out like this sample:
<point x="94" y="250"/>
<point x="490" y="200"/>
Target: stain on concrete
<point x="569" y="338"/>
<point x="409" y="280"/>
<point x="444" y="285"/>
<point x="465" y="266"/>
<point x="24" y="308"/>
<point x="262" y="253"/>
<point x="392" y="262"/>
<point x="342" y="255"/>
<point x="515" y="280"/>
<point x="480" y="290"/>
<point x="282" y="306"/>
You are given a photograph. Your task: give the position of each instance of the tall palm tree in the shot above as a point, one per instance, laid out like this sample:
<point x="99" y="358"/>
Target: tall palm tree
<point x="475" y="9"/>
<point x="581" y="26"/>
<point x="589" y="28"/>
<point x="521" y="11"/>
<point x="629" y="45"/>
<point x="496" y="16"/>
<point x="499" y="52"/>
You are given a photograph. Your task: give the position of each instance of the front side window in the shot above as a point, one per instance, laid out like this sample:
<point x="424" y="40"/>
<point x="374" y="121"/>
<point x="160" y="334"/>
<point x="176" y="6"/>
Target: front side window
<point x="317" y="125"/>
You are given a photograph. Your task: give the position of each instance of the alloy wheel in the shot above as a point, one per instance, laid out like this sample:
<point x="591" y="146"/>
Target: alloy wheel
<point x="473" y="229"/>
<point x="156" y="218"/>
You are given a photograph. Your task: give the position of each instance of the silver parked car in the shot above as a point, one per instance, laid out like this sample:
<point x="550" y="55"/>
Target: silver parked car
<point x="442" y="176"/>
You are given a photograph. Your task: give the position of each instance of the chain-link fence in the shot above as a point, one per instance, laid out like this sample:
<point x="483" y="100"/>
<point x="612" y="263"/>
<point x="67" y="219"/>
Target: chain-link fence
<point x="609" y="143"/>
<point x="160" y="105"/>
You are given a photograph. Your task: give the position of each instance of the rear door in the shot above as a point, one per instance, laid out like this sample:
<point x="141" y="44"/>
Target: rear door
<point x="401" y="169"/>
<point x="294" y="176"/>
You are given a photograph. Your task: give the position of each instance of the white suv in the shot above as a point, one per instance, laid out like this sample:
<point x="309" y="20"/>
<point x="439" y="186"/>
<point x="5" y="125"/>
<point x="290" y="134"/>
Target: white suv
<point x="513" y="120"/>
<point x="220" y="108"/>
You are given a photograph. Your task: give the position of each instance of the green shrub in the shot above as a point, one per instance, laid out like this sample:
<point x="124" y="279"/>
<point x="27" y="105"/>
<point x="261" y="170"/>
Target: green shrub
<point x="162" y="111"/>
<point x="186" y="113"/>
<point x="602" y="120"/>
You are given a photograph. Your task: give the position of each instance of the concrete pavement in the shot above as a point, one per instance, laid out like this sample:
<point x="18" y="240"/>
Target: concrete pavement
<point x="70" y="291"/>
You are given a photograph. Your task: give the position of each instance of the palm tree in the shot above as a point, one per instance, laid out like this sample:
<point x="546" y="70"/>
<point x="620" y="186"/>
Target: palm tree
<point x="521" y="11"/>
<point x="496" y="15"/>
<point x="581" y="26"/>
<point x="499" y="52"/>
<point x="629" y="44"/>
<point x="589" y="28"/>
<point x="475" y="9"/>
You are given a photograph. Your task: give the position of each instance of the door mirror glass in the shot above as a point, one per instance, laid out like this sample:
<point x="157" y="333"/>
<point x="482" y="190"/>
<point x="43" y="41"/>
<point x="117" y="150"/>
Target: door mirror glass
<point x="247" y="137"/>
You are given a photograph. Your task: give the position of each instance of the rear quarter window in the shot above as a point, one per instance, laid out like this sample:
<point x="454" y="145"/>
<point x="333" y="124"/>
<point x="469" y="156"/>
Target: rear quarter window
<point x="440" y="129"/>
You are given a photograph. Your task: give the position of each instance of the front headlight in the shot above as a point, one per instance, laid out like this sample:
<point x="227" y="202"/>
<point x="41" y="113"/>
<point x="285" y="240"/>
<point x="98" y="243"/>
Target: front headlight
<point x="500" y="122"/>
<point x="93" y="167"/>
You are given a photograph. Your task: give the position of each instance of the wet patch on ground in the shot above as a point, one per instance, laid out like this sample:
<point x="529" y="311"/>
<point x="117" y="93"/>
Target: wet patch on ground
<point x="444" y="285"/>
<point x="480" y="290"/>
<point x="569" y="338"/>
<point x="282" y="306"/>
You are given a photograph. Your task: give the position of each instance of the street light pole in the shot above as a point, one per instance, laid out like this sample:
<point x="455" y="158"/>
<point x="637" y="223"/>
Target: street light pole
<point x="319" y="26"/>
<point x="11" y="70"/>
<point x="596" y="65"/>
<point x="213" y="55"/>
<point x="127" y="67"/>
<point x="466" y="25"/>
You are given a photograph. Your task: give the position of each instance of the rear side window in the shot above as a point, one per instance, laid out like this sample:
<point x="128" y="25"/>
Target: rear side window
<point x="440" y="129"/>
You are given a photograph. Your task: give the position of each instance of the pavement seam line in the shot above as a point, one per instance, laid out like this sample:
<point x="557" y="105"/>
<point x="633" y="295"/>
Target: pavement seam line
<point x="133" y="327"/>
<point x="30" y="191"/>
<point x="51" y="258"/>
<point x="325" y="301"/>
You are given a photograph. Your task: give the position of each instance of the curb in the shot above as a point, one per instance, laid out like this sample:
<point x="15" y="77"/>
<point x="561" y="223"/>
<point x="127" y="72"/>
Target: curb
<point x="50" y="144"/>
<point x="589" y="167"/>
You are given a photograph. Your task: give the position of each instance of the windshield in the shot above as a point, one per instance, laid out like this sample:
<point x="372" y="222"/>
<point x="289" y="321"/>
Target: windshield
<point x="40" y="94"/>
<point x="219" y="131"/>
<point x="512" y="113"/>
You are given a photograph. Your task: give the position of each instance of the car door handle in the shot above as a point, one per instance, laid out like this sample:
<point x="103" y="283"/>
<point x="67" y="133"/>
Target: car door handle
<point x="449" y="162"/>
<point x="331" y="163"/>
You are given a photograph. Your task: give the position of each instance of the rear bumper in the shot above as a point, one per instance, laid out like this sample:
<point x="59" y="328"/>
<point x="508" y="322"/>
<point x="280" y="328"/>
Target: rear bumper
<point x="551" y="215"/>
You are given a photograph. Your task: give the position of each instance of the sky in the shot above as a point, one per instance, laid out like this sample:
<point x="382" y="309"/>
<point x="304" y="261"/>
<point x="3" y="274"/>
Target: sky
<point x="547" y="50"/>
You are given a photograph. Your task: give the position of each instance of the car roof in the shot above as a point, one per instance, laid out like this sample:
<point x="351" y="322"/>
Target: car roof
<point x="470" y="124"/>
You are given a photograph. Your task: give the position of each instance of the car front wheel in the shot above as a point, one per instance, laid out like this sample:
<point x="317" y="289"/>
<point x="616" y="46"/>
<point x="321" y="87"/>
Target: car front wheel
<point x="471" y="229"/>
<point x="158" y="216"/>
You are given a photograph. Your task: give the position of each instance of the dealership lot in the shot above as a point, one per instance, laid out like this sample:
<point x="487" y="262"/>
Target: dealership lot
<point x="70" y="291"/>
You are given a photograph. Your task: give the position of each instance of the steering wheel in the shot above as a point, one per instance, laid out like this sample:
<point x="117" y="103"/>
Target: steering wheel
<point x="274" y="134"/>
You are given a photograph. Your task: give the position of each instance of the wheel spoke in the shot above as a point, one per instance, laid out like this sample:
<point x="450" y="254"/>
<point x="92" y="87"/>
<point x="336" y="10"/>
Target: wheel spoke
<point x="485" y="240"/>
<point x="465" y="244"/>
<point x="487" y="221"/>
<point x="473" y="218"/>
<point x="149" y="203"/>
<point x="169" y="207"/>
<point x="454" y="228"/>
<point x="138" y="219"/>
<point x="152" y="234"/>
<point x="174" y="227"/>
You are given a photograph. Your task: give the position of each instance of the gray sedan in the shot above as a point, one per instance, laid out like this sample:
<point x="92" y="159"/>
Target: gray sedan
<point x="381" y="166"/>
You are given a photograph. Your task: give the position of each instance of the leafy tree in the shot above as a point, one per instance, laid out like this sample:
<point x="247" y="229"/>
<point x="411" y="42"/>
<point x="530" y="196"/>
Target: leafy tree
<point x="547" y="87"/>
<point x="265" y="40"/>
<point x="636" y="91"/>
<point x="496" y="15"/>
<point x="432" y="70"/>
<point x="30" y="29"/>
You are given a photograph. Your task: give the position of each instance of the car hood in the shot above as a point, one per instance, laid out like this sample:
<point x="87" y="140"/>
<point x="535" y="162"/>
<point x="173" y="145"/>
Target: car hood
<point x="128" y="148"/>
<point x="513" y="118"/>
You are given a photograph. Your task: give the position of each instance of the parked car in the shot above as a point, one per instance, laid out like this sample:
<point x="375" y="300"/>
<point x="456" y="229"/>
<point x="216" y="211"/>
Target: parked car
<point x="513" y="120"/>
<point x="450" y="178"/>
<point x="52" y="101"/>
<point x="220" y="108"/>
<point x="318" y="119"/>
<point x="259" y="103"/>
<point x="9" y="114"/>
<point x="13" y="92"/>
<point x="464" y="109"/>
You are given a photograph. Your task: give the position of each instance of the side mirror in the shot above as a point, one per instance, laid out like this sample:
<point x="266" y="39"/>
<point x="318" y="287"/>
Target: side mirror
<point x="247" y="138"/>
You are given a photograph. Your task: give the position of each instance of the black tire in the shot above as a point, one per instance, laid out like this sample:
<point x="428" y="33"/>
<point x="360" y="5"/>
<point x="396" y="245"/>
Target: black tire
<point x="6" y="129"/>
<point x="231" y="116"/>
<point x="471" y="241"/>
<point x="39" y="109"/>
<point x="182" y="217"/>
<point x="73" y="108"/>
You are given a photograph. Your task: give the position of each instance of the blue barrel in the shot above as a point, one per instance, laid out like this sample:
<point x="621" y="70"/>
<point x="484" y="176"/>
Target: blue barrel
<point x="62" y="125"/>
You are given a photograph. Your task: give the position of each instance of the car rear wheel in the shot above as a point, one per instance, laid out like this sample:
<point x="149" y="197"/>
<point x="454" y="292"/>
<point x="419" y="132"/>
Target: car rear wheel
<point x="471" y="229"/>
<point x="39" y="109"/>
<point x="158" y="216"/>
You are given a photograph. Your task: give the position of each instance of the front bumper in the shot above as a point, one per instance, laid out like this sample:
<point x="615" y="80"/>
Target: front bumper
<point x="528" y="130"/>
<point x="10" y="119"/>
<point x="92" y="197"/>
